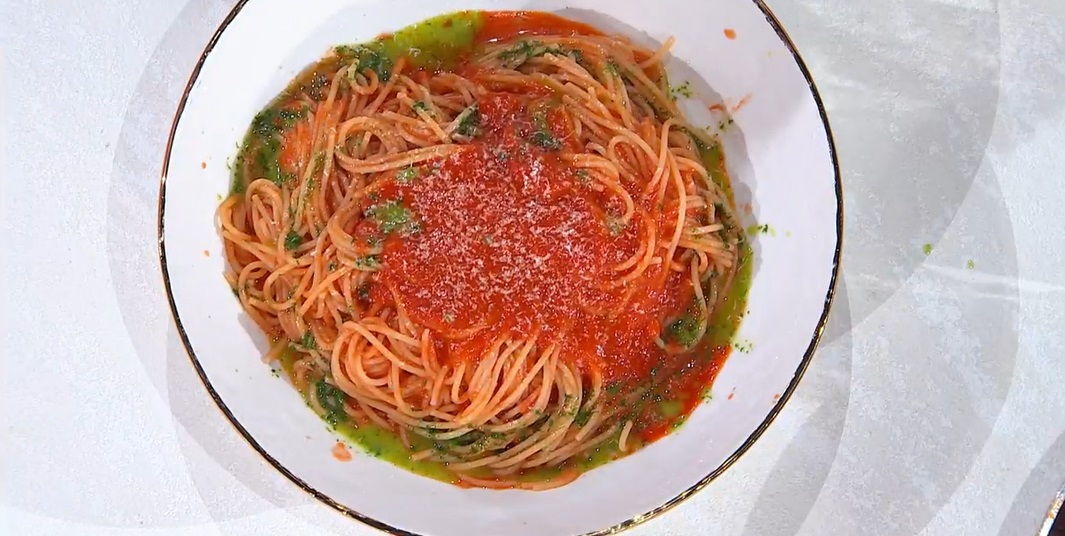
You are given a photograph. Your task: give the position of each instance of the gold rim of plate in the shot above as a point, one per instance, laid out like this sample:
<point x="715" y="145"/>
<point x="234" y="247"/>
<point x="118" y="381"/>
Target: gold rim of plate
<point x="1052" y="514"/>
<point x="619" y="527"/>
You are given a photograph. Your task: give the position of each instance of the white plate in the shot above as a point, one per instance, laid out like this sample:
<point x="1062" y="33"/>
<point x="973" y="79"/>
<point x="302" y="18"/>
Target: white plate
<point x="781" y="161"/>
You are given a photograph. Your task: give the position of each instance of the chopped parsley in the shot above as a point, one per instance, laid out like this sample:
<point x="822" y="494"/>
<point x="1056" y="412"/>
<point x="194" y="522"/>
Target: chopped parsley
<point x="276" y="120"/>
<point x="393" y="216"/>
<point x="523" y="51"/>
<point x="574" y="55"/>
<point x="684" y="330"/>
<point x="367" y="59"/>
<point x="546" y="140"/>
<point x="760" y="229"/>
<point x="614" y="226"/>
<point x="376" y="451"/>
<point x="520" y="53"/>
<point x="542" y="136"/>
<point x="331" y="399"/>
<point x="307" y="342"/>
<point x="612" y="68"/>
<point x="406" y="174"/>
<point x="677" y="423"/>
<point x="347" y="51"/>
<point x="292" y="240"/>
<point x="363" y="292"/>
<point x="470" y="124"/>
<point x="262" y="146"/>
<point x="927" y="249"/>
<point x="582" y="417"/>
<point x="683" y="90"/>
<point x="267" y="159"/>
<point x="474" y="440"/>
<point x="369" y="262"/>
<point x="420" y="105"/>
<point x="289" y="117"/>
<point x="318" y="83"/>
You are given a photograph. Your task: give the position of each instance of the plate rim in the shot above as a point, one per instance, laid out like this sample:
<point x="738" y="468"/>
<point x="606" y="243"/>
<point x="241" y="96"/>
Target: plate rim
<point x="756" y="434"/>
<point x="1057" y="506"/>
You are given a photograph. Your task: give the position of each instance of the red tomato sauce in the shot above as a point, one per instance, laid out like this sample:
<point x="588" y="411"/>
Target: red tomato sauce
<point x="511" y="238"/>
<point x="500" y="25"/>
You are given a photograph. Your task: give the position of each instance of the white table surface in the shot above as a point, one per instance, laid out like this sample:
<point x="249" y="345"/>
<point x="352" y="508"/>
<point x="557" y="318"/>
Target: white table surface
<point x="935" y="405"/>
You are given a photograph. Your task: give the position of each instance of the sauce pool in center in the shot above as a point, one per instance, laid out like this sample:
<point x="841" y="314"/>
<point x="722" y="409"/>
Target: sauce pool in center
<point x="514" y="239"/>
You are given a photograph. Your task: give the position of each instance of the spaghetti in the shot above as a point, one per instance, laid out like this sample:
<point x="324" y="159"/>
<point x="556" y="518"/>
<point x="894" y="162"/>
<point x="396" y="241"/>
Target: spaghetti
<point x="506" y="251"/>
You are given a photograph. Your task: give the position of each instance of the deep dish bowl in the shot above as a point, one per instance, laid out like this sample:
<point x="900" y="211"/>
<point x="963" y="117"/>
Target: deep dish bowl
<point x="783" y="169"/>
